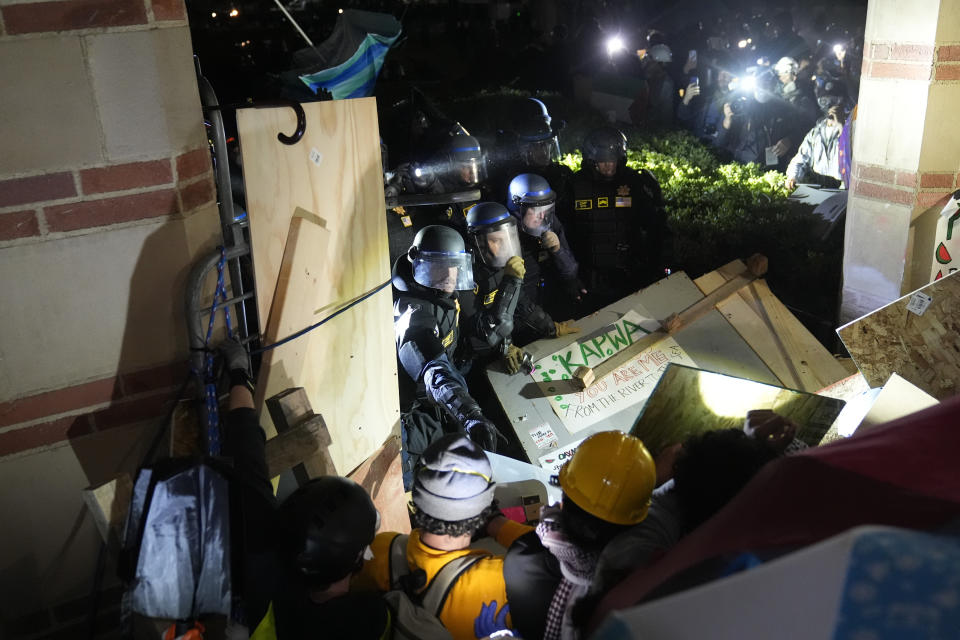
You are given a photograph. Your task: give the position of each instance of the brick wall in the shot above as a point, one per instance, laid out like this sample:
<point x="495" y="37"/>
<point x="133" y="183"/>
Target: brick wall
<point x="106" y="199"/>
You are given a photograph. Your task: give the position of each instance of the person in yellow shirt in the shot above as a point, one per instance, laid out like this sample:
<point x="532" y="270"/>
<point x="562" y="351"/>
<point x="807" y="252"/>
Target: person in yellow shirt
<point x="453" y="502"/>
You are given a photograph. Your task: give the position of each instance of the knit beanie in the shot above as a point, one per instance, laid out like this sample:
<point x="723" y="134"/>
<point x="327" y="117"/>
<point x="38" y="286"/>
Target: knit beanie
<point x="455" y="481"/>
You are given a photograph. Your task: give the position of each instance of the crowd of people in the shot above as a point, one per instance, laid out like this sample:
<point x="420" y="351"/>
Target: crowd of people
<point x="322" y="566"/>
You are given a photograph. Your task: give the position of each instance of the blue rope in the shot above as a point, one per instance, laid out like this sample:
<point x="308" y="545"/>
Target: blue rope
<point x="210" y="382"/>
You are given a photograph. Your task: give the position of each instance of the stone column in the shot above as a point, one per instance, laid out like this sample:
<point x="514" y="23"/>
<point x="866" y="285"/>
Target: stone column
<point x="906" y="151"/>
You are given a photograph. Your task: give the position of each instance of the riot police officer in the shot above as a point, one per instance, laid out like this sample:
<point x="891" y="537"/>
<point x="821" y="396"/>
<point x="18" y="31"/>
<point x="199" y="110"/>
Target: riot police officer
<point x="498" y="274"/>
<point x="458" y="169"/>
<point x="551" y="269"/>
<point x="617" y="226"/>
<point x="426" y="319"/>
<point x="536" y="149"/>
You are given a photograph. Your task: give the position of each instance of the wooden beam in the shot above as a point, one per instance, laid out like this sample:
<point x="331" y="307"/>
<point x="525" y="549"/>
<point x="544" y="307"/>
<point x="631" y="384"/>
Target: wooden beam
<point x="756" y="266"/>
<point x="305" y="437"/>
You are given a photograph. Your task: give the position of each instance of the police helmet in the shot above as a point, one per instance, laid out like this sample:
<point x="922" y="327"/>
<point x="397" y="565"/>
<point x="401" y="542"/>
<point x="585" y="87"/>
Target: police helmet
<point x="440" y="260"/>
<point x="493" y="233"/>
<point x="466" y="161"/>
<point x="606" y="144"/>
<point x="537" y="134"/>
<point x="533" y="202"/>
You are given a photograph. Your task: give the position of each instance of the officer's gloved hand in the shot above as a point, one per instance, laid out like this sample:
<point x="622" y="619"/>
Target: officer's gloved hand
<point x="513" y="358"/>
<point x="550" y="241"/>
<point x="515" y="268"/>
<point x="565" y="328"/>
<point x="575" y="288"/>
<point x="484" y="433"/>
<point x="235" y="357"/>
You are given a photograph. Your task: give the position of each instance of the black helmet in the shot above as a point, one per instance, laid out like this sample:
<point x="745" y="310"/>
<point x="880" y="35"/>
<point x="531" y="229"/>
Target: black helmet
<point x="436" y="250"/>
<point x="533" y="202"/>
<point x="466" y="161"/>
<point x="606" y="144"/>
<point x="493" y="233"/>
<point x="831" y="92"/>
<point x="537" y="134"/>
<point x="326" y="524"/>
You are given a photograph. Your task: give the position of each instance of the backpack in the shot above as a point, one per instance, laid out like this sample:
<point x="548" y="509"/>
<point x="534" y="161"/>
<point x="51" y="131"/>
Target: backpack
<point x="176" y="555"/>
<point x="415" y="613"/>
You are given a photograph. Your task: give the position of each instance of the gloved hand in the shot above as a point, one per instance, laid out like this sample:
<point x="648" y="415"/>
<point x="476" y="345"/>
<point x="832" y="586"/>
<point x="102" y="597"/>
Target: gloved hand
<point x="235" y="357"/>
<point x="482" y="432"/>
<point x="575" y="288"/>
<point x="513" y="358"/>
<point x="515" y="268"/>
<point x="550" y="241"/>
<point x="565" y="328"/>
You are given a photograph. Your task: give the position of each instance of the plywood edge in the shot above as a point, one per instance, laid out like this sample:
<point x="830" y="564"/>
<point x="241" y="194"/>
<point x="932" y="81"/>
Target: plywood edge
<point x="748" y="323"/>
<point x="791" y="352"/>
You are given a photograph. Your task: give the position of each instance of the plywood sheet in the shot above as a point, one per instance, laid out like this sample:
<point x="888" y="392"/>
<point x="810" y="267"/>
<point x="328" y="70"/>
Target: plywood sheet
<point x="689" y="401"/>
<point x="898" y="398"/>
<point x="382" y="476"/>
<point x="923" y="349"/>
<point x="796" y="357"/>
<point x="348" y="365"/>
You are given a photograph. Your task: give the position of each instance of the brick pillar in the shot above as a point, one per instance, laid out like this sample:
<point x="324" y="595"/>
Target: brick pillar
<point x="906" y="152"/>
<point x="106" y="199"/>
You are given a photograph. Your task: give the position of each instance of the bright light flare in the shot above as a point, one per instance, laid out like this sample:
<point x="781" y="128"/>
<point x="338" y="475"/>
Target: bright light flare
<point x="213" y="14"/>
<point x="615" y="45"/>
<point x="234" y="13"/>
<point x="742" y="44"/>
<point x="749" y="83"/>
<point x="339" y="10"/>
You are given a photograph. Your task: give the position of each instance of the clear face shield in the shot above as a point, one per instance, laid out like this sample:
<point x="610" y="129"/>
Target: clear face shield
<point x="497" y="244"/>
<point x="540" y="153"/>
<point x="536" y="218"/>
<point x="469" y="171"/>
<point x="443" y="270"/>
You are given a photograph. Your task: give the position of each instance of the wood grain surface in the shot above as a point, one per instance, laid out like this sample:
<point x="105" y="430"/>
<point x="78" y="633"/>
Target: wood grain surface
<point x="348" y="365"/>
<point x="922" y="349"/>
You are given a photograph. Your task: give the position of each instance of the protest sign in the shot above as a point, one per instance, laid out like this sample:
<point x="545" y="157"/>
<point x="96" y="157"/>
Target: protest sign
<point x="626" y="387"/>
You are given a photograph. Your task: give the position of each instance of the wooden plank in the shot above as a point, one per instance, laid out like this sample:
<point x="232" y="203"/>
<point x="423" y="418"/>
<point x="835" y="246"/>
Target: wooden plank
<point x="382" y="476"/>
<point x="922" y="349"/>
<point x="302" y="267"/>
<point x="348" y="365"/>
<point x="108" y="505"/>
<point x="757" y="266"/>
<point x="302" y="449"/>
<point x="797" y="358"/>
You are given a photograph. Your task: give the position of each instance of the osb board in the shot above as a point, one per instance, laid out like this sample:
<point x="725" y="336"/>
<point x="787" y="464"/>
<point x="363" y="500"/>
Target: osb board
<point x="922" y="349"/>
<point x="382" y="476"/>
<point x="689" y="401"/>
<point x="790" y="351"/>
<point x="347" y="366"/>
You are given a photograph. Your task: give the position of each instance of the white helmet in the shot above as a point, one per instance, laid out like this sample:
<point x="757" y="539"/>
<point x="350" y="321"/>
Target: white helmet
<point x="786" y="64"/>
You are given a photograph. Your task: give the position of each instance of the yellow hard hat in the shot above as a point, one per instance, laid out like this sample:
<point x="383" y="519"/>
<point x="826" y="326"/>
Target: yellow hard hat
<point x="611" y="476"/>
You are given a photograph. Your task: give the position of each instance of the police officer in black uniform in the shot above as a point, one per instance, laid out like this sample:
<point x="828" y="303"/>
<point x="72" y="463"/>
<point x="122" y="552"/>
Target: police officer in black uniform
<point x="551" y="270"/>
<point x="460" y="168"/>
<point x="426" y="318"/>
<point x="498" y="274"/>
<point x="617" y="225"/>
